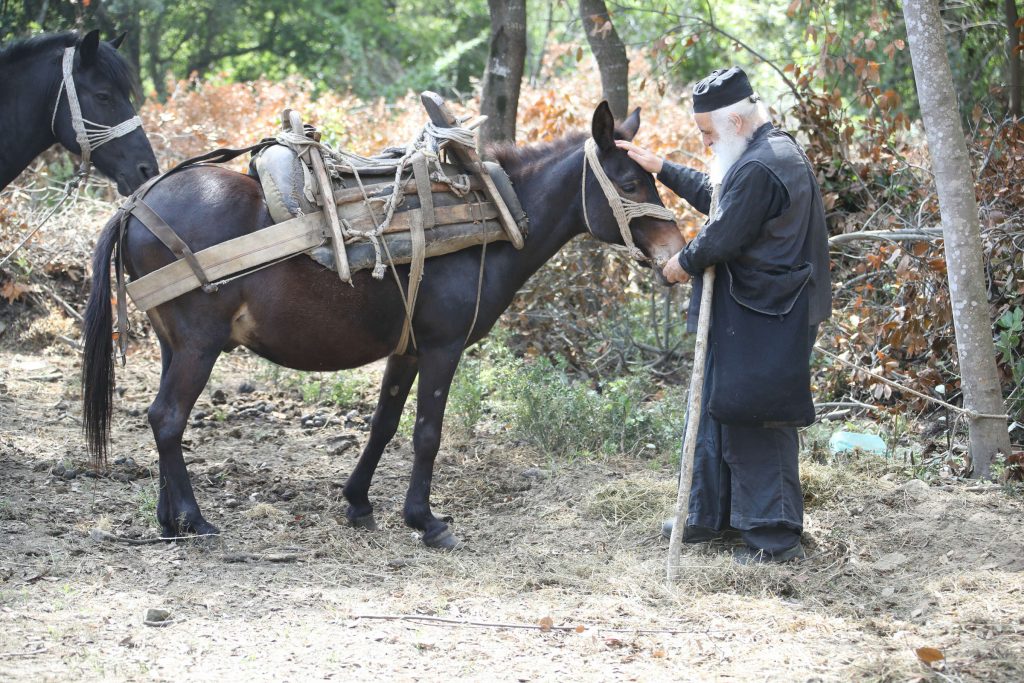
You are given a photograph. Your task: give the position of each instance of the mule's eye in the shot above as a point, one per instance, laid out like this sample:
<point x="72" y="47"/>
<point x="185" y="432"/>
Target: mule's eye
<point x="629" y="187"/>
<point x="103" y="97"/>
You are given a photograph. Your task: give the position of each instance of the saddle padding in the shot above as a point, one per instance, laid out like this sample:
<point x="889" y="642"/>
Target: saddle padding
<point x="288" y="186"/>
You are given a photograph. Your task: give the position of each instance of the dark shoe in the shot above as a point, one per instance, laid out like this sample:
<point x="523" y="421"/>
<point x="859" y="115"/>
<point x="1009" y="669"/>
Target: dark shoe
<point x="697" y="534"/>
<point x="748" y="555"/>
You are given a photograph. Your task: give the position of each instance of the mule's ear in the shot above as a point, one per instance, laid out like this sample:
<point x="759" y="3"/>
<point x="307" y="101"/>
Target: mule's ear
<point x="628" y="128"/>
<point x="88" y="47"/>
<point x="116" y="42"/>
<point x="602" y="127"/>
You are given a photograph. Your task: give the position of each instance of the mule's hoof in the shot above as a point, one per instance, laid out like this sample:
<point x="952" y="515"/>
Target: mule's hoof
<point x="203" y="531"/>
<point x="366" y="521"/>
<point x="445" y="540"/>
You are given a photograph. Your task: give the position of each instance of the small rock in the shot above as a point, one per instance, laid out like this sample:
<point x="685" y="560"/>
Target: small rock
<point x="236" y="433"/>
<point x="246" y="388"/>
<point x="230" y="503"/>
<point x="887" y="563"/>
<point x="534" y="473"/>
<point x="156" y="617"/>
<point x="218" y="397"/>
<point x="916" y="489"/>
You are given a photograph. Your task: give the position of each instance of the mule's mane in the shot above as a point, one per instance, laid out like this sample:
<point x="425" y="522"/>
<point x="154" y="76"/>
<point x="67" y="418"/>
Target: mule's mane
<point x="28" y="47"/>
<point x="524" y="161"/>
<point x="107" y="58"/>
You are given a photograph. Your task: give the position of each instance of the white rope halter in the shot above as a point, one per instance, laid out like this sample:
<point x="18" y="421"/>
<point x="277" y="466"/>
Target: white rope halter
<point x="88" y="134"/>
<point x="624" y="209"/>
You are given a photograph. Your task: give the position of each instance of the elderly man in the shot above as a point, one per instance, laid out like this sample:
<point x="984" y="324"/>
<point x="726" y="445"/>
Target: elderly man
<point x="766" y="238"/>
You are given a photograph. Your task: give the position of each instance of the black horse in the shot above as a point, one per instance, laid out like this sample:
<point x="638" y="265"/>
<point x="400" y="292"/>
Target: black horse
<point x="299" y="315"/>
<point x="37" y="107"/>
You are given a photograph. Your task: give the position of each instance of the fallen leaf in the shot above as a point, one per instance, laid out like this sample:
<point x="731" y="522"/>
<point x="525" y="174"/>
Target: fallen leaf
<point x="546" y="623"/>
<point x="12" y="291"/>
<point x="929" y="655"/>
<point x="581" y="628"/>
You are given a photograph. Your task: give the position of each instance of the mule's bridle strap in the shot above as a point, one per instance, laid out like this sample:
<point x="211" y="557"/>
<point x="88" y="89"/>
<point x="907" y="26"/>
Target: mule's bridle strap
<point x="624" y="209"/>
<point x="88" y="134"/>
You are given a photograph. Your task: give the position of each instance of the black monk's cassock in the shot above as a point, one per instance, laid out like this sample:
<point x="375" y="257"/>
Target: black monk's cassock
<point x="770" y="220"/>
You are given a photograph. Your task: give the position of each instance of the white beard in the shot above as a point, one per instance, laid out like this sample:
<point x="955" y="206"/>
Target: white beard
<point x="727" y="150"/>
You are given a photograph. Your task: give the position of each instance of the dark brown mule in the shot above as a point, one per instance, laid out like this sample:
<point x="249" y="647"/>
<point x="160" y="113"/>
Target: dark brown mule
<point x="299" y="315"/>
<point x="35" y="110"/>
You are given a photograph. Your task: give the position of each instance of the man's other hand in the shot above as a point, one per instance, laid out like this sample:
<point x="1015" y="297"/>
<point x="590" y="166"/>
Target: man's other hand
<point x="674" y="272"/>
<point x="648" y="160"/>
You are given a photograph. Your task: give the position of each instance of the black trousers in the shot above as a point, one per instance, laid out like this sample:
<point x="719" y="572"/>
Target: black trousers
<point x="747" y="478"/>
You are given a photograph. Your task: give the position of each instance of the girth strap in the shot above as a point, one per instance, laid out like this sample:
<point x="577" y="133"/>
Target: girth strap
<point x="418" y="240"/>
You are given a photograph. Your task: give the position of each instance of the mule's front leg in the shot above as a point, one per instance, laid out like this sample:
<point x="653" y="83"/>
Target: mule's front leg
<point x="181" y="383"/>
<point x="394" y="389"/>
<point x="437" y="368"/>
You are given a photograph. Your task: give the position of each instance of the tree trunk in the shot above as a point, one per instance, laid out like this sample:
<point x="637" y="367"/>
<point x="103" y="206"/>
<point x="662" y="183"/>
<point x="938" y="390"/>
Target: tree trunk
<point x="504" y="72"/>
<point x="610" y="54"/>
<point x="954" y="184"/>
<point x="1013" y="56"/>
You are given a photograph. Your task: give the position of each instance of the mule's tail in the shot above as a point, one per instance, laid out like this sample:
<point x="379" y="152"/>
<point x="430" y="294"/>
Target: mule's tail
<point x="98" y="364"/>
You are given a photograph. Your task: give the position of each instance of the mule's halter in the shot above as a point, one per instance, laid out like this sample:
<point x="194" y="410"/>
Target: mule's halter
<point x="88" y="134"/>
<point x="624" y="209"/>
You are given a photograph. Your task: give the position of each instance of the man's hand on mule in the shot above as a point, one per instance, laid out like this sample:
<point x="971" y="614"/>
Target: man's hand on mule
<point x="674" y="272"/>
<point x="648" y="160"/>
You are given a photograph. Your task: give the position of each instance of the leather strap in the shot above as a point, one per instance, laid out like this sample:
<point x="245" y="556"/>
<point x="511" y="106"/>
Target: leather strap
<point x="158" y="226"/>
<point x="418" y="239"/>
<point x="163" y="231"/>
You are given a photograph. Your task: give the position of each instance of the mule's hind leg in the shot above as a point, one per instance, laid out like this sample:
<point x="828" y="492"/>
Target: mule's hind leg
<point x="394" y="389"/>
<point x="437" y="368"/>
<point x="181" y="382"/>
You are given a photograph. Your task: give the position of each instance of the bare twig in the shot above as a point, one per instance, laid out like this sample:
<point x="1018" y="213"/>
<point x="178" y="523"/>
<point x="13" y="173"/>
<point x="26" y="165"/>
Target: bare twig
<point x="531" y="627"/>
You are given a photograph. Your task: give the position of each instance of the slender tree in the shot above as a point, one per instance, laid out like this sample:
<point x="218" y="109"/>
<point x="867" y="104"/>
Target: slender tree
<point x="954" y="184"/>
<point x="504" y="72"/>
<point x="1013" y="55"/>
<point x="610" y="54"/>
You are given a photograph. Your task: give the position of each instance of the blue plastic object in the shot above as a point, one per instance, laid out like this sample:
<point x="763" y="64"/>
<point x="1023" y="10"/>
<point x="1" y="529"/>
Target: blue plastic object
<point x="849" y="441"/>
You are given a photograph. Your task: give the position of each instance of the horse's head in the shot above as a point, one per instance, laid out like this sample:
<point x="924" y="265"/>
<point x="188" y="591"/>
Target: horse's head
<point x="101" y="89"/>
<point x="657" y="236"/>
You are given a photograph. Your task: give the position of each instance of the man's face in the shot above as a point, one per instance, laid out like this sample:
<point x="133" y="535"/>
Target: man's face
<point x="726" y="142"/>
<point x="710" y="134"/>
<point x="707" y="128"/>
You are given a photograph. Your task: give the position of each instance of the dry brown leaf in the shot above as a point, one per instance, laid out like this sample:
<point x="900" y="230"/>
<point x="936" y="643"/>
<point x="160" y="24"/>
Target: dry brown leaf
<point x="581" y="628"/>
<point x="546" y="623"/>
<point x="929" y="655"/>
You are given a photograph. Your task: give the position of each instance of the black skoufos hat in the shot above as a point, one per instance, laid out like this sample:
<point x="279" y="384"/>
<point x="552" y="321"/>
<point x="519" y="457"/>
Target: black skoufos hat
<point x="722" y="88"/>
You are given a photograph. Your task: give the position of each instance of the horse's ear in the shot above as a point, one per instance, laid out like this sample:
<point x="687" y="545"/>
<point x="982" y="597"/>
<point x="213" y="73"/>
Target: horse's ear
<point x="602" y="127"/>
<point x="88" y="47"/>
<point x="628" y="128"/>
<point x="116" y="42"/>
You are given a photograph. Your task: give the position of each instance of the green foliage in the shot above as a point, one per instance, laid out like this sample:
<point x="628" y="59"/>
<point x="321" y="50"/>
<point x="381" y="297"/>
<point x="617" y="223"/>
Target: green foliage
<point x="1010" y="329"/>
<point x="563" y="417"/>
<point x="466" y="396"/>
<point x="342" y="389"/>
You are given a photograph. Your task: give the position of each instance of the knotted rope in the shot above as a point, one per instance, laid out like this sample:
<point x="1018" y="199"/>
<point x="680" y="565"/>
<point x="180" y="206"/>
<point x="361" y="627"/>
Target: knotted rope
<point x="89" y="134"/>
<point x="624" y="209"/>
<point x="427" y="142"/>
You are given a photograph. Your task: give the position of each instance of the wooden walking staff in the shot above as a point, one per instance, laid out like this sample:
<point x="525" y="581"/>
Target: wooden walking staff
<point x="693" y="410"/>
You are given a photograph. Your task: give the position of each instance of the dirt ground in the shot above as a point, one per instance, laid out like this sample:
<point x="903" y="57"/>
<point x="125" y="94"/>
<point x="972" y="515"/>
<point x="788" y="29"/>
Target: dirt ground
<point x="290" y="593"/>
